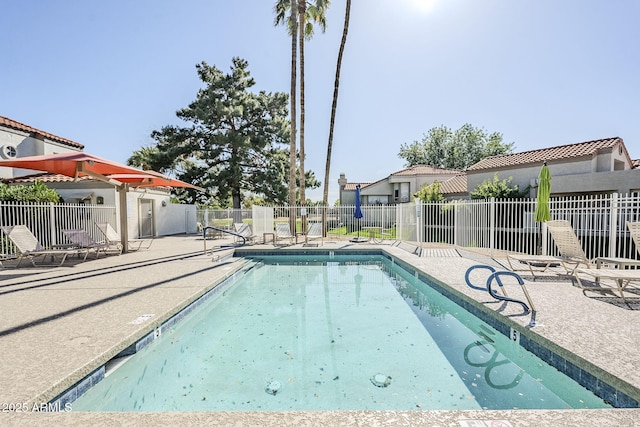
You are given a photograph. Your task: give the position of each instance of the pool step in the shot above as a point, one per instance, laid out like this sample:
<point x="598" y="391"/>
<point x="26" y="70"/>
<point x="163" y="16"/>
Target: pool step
<point x="439" y="253"/>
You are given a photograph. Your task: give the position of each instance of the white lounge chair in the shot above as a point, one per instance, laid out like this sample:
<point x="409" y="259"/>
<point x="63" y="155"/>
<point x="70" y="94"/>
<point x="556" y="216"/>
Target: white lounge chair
<point x="82" y="239"/>
<point x="27" y="246"/>
<point x="621" y="279"/>
<point x="314" y="232"/>
<point x="283" y="232"/>
<point x="571" y="255"/>
<point x="634" y="229"/>
<point x="244" y="230"/>
<point x="571" y="252"/>
<point x="534" y="263"/>
<point x="113" y="238"/>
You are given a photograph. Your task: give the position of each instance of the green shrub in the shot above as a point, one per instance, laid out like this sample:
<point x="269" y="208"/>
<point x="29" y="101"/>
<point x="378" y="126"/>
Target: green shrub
<point x="498" y="189"/>
<point x="34" y="193"/>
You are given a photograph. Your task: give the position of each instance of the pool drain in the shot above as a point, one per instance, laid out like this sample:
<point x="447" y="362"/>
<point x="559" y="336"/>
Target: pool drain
<point x="273" y="388"/>
<point x="381" y="380"/>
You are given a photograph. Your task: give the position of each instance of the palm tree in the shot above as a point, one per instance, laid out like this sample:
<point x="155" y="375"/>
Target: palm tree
<point x="144" y="158"/>
<point x="309" y="14"/>
<point x="281" y="8"/>
<point x="325" y="196"/>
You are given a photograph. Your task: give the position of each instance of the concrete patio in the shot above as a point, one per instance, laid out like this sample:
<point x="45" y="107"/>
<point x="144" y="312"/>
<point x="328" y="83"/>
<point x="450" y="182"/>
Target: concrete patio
<point x="58" y="324"/>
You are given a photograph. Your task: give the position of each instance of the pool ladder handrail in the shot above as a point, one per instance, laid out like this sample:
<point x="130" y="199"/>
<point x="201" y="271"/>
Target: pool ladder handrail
<point x="210" y="227"/>
<point x="495" y="275"/>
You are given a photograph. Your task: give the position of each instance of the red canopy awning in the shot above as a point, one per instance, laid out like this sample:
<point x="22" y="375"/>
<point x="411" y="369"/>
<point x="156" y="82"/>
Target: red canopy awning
<point x="81" y="164"/>
<point x="73" y="164"/>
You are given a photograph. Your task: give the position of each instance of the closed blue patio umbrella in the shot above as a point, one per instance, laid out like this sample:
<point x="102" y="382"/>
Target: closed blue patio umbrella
<point x="358" y="213"/>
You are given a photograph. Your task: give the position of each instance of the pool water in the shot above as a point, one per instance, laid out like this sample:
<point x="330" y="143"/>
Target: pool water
<point x="332" y="333"/>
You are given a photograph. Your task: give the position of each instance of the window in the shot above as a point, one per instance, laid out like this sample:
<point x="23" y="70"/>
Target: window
<point x="9" y="151"/>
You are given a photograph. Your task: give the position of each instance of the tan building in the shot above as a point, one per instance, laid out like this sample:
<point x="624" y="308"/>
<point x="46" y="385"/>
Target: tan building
<point x="592" y="167"/>
<point x="399" y="187"/>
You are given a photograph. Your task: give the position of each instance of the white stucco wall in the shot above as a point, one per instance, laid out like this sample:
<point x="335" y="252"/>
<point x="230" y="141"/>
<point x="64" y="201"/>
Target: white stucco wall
<point x="176" y="219"/>
<point x="25" y="146"/>
<point x="168" y="219"/>
<point x="602" y="182"/>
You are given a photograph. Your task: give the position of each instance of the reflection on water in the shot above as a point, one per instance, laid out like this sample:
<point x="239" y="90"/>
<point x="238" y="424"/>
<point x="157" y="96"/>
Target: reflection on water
<point x="494" y="368"/>
<point x="482" y="350"/>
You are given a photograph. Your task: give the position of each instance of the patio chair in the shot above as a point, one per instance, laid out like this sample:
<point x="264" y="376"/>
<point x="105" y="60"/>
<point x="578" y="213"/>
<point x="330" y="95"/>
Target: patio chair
<point x="571" y="255"/>
<point x="28" y="246"/>
<point x="623" y="263"/>
<point x="534" y="263"/>
<point x="283" y="232"/>
<point x="569" y="247"/>
<point x="113" y="238"/>
<point x="314" y="232"/>
<point x="571" y="252"/>
<point x="621" y="279"/>
<point x="634" y="229"/>
<point x="82" y="239"/>
<point x="244" y="230"/>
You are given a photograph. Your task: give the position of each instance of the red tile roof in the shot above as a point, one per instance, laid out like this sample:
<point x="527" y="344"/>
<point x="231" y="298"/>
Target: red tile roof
<point x="455" y="185"/>
<point x="44" y="177"/>
<point x="52" y="177"/>
<point x="548" y="154"/>
<point x="7" y="122"/>
<point x="351" y="186"/>
<point x="425" y="170"/>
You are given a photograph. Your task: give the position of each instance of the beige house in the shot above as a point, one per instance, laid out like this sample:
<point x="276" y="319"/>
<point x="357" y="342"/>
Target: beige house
<point x="399" y="187"/>
<point x="592" y="167"/>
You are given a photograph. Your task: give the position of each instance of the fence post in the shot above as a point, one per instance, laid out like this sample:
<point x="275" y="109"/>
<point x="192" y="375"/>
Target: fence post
<point x="613" y="226"/>
<point x="419" y="223"/>
<point x="52" y="227"/>
<point x="492" y="224"/>
<point x="455" y="222"/>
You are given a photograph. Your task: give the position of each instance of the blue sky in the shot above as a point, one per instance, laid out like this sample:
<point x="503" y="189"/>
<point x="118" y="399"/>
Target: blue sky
<point x="541" y="72"/>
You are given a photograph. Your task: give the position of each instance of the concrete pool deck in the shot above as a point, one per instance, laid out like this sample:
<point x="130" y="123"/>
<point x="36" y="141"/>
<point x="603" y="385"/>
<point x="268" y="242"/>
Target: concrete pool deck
<point x="58" y="324"/>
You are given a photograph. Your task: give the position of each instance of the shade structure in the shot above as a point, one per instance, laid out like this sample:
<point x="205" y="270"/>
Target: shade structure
<point x="543" y="212"/>
<point x="151" y="179"/>
<point x="74" y="164"/>
<point x="81" y="164"/>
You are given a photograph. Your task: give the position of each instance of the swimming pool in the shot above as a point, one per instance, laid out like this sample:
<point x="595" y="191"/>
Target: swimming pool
<point x="332" y="332"/>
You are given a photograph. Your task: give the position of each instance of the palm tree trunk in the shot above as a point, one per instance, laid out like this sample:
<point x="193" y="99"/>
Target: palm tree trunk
<point x="325" y="197"/>
<point x="292" y="144"/>
<point x="302" y="4"/>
